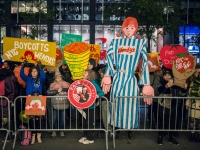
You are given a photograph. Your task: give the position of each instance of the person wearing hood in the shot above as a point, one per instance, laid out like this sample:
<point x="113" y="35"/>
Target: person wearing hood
<point x="167" y="110"/>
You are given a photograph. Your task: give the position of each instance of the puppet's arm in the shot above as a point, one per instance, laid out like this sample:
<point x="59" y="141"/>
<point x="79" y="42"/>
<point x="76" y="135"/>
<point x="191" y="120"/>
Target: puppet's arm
<point x="145" y="80"/>
<point x="109" y="71"/>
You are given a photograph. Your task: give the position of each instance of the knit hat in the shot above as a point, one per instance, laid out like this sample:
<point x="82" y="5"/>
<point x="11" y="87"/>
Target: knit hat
<point x="167" y="72"/>
<point x="58" y="74"/>
<point x="92" y="62"/>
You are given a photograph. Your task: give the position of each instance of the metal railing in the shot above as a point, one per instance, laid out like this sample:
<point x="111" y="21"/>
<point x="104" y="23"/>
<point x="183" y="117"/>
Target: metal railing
<point x="48" y="123"/>
<point x="5" y="117"/>
<point x="170" y="114"/>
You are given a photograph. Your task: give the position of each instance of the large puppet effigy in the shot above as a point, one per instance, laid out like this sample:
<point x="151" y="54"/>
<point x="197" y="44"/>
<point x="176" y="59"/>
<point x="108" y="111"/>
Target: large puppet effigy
<point x="126" y="52"/>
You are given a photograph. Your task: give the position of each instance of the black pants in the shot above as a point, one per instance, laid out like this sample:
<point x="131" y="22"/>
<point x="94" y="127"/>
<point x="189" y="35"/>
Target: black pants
<point x="91" y="120"/>
<point x="152" y="112"/>
<point x="35" y="123"/>
<point x="167" y="120"/>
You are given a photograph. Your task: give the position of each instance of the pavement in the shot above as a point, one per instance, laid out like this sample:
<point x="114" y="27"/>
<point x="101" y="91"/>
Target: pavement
<point x="142" y="141"/>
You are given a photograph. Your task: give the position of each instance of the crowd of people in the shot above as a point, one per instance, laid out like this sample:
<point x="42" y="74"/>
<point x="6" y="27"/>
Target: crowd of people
<point x="162" y="113"/>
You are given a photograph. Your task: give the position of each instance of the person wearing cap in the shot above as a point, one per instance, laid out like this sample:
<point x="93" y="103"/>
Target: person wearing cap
<point x="167" y="110"/>
<point x="193" y="106"/>
<point x="152" y="109"/>
<point x="59" y="88"/>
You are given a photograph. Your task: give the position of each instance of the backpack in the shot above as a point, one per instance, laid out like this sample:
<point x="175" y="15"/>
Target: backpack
<point x="24" y="136"/>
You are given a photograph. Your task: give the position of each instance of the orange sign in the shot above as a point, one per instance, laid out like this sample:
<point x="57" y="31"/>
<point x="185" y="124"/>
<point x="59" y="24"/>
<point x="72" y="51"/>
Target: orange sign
<point x="153" y="62"/>
<point x="35" y="106"/>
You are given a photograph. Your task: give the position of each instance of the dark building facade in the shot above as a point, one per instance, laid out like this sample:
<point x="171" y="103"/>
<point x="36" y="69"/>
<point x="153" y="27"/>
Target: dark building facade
<point x="82" y="17"/>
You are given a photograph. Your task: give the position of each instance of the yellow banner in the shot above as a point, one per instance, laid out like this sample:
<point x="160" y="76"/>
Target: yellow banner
<point x="95" y="52"/>
<point x="16" y="49"/>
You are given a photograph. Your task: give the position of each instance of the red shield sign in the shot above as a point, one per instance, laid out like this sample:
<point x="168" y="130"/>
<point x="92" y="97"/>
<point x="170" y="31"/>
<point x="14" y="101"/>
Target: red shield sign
<point x="82" y="94"/>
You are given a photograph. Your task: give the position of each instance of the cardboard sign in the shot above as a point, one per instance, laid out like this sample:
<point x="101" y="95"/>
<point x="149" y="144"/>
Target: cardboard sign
<point x="182" y="68"/>
<point x="35" y="106"/>
<point x="169" y="52"/>
<point x="82" y="94"/>
<point x="59" y="61"/>
<point x="77" y="57"/>
<point x="17" y="49"/>
<point x="153" y="62"/>
<point x="68" y="39"/>
<point x="95" y="52"/>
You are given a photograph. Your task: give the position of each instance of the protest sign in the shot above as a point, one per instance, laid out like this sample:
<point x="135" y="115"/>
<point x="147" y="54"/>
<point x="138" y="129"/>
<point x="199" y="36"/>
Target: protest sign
<point x="16" y="49"/>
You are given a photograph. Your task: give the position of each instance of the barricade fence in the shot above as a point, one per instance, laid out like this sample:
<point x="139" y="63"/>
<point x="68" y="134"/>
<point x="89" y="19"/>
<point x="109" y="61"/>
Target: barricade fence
<point x="164" y="114"/>
<point x="85" y="120"/>
<point x="5" y="113"/>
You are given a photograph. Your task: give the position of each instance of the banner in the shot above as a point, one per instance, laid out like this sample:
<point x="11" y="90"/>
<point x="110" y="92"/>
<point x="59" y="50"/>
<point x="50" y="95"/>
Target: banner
<point x="95" y="52"/>
<point x="77" y="57"/>
<point x="82" y="94"/>
<point x="35" y="106"/>
<point x="182" y="68"/>
<point x="16" y="49"/>
<point x="169" y="52"/>
<point x="68" y="39"/>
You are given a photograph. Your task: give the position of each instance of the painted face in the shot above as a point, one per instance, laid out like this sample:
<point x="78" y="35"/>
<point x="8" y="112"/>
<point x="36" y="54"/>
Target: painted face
<point x="167" y="77"/>
<point x="84" y="91"/>
<point x="85" y="75"/>
<point x="29" y="57"/>
<point x="129" y="31"/>
<point x="34" y="73"/>
<point x="90" y="66"/>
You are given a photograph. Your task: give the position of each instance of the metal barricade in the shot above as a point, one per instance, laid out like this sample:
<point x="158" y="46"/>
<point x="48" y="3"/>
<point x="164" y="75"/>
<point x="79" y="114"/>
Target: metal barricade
<point x="54" y="120"/>
<point x="170" y="114"/>
<point x="5" y="117"/>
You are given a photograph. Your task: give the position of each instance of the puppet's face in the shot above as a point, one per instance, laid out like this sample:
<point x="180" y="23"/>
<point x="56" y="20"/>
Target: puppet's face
<point x="129" y="31"/>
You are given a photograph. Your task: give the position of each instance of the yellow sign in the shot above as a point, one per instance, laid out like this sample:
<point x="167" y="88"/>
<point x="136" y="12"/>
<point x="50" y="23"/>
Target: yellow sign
<point x="17" y="49"/>
<point x="95" y="52"/>
<point x="77" y="56"/>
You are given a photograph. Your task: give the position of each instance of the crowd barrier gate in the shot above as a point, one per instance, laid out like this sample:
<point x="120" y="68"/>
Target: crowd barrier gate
<point x="181" y="118"/>
<point x="5" y="119"/>
<point x="47" y="124"/>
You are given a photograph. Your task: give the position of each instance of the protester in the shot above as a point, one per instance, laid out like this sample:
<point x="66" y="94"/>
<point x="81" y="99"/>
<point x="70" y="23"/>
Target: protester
<point x="88" y="135"/>
<point x="34" y="84"/>
<point x="167" y="107"/>
<point x="59" y="88"/>
<point x="193" y="106"/>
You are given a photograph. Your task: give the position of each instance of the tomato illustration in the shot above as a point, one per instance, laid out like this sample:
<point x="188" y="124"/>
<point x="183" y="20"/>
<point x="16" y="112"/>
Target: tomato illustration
<point x="169" y="52"/>
<point x="183" y="62"/>
<point x="59" y="55"/>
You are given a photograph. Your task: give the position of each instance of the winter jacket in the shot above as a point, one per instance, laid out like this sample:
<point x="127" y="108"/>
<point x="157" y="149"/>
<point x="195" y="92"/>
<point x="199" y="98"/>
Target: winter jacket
<point x="59" y="102"/>
<point x="100" y="93"/>
<point x="33" y="84"/>
<point x="174" y="91"/>
<point x="194" y="104"/>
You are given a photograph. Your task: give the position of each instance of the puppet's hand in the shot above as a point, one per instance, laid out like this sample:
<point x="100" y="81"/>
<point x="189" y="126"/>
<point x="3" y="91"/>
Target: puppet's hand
<point x="148" y="91"/>
<point x="106" y="84"/>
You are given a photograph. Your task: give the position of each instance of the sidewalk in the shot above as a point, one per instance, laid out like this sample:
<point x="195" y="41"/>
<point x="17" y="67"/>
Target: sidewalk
<point x="142" y="141"/>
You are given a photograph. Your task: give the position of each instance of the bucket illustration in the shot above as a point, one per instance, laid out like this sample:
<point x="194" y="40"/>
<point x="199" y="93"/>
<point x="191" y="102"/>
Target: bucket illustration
<point x="77" y="56"/>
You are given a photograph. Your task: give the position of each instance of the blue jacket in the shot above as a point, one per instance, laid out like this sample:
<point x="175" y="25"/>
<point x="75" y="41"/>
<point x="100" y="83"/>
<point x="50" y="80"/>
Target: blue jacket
<point x="100" y="93"/>
<point x="33" y="84"/>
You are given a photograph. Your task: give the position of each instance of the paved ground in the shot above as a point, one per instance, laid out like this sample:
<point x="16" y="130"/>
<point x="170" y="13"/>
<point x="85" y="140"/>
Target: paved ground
<point x="142" y="141"/>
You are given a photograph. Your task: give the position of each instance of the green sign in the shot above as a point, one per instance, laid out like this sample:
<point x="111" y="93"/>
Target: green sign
<point x="69" y="38"/>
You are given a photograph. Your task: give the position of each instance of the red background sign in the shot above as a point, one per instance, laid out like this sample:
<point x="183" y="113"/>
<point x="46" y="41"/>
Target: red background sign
<point x="169" y="52"/>
<point x="79" y="90"/>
